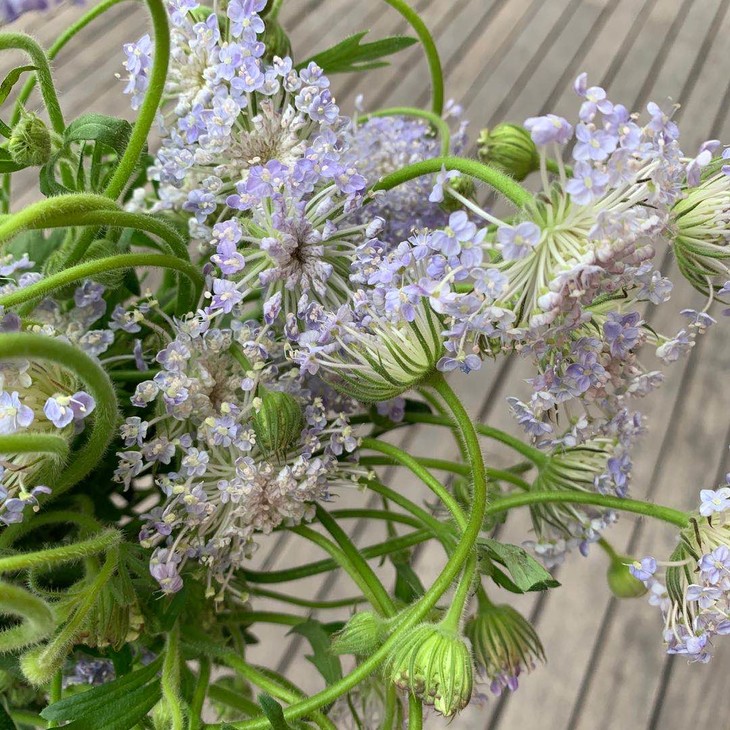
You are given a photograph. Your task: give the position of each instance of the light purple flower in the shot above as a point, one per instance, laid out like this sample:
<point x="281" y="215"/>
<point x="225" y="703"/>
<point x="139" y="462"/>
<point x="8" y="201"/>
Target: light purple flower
<point x="715" y="566"/>
<point x="61" y="410"/>
<point x="516" y="242"/>
<point x="593" y="144"/>
<point x="13" y="414"/>
<point x="643" y="570"/>
<point x="549" y="128"/>
<point x="587" y="183"/>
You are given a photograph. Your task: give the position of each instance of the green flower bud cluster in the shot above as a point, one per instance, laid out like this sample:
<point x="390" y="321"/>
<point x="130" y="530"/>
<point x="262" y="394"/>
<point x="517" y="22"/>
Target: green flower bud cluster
<point x="277" y="423"/>
<point x="433" y="663"/>
<point x="510" y="148"/>
<point x="30" y="141"/>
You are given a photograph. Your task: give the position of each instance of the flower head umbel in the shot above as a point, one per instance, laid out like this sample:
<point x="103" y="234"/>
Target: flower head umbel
<point x="694" y="591"/>
<point x="433" y="663"/>
<point x="504" y="644"/>
<point x="230" y="458"/>
<point x="254" y="156"/>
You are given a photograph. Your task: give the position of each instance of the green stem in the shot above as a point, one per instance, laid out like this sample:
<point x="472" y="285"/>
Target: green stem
<point x="436" y="121"/>
<point x="89" y="269"/>
<point x="305" y="602"/>
<point x="356" y="560"/>
<point x="40" y="443"/>
<point x="237" y="701"/>
<point x="22" y="717"/>
<point x="170" y="681"/>
<point x="324" y="566"/>
<point x="59" y="206"/>
<point x="462" y="553"/>
<point x="434" y="62"/>
<point x="529" y="452"/>
<point x="422" y="473"/>
<point x="199" y="644"/>
<point x="150" y="103"/>
<point x="357" y="513"/>
<point x="25" y="43"/>
<point x="415" y="713"/>
<point x="55" y="692"/>
<point x="607" y="548"/>
<point x="391" y="702"/>
<point x="64" y="554"/>
<point x="373" y="591"/>
<point x="57" y="46"/>
<point x="201" y="690"/>
<point x="83" y="521"/>
<point x="502" y="183"/>
<point x="248" y="618"/>
<point x="666" y="514"/>
<point x="31" y="346"/>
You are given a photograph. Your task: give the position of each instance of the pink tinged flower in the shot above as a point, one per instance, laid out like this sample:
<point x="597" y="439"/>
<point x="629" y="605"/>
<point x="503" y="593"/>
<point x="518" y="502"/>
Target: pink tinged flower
<point x="13" y="414"/>
<point x="516" y="242"/>
<point x="549" y="128"/>
<point x="714" y="500"/>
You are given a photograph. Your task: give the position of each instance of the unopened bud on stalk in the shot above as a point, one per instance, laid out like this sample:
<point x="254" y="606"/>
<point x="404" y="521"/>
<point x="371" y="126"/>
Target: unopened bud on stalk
<point x="504" y="644"/>
<point x="278" y="422"/>
<point x="620" y="580"/>
<point x="30" y="141"/>
<point x="464" y="186"/>
<point x="276" y="41"/>
<point x="509" y="147"/>
<point x="361" y="635"/>
<point x="433" y="662"/>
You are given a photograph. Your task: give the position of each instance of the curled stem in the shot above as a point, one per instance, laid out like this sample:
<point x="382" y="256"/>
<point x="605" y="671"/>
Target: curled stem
<point x="429" y="46"/>
<point x="436" y="121"/>
<point x="25" y="43"/>
<point x="502" y="183"/>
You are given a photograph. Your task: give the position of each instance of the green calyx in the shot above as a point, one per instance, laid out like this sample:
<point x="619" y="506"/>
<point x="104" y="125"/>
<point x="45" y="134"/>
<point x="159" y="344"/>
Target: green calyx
<point x="434" y="664"/>
<point x="361" y="635"/>
<point x="30" y="141"/>
<point x="510" y="148"/>
<point x="503" y="641"/>
<point x="278" y="422"/>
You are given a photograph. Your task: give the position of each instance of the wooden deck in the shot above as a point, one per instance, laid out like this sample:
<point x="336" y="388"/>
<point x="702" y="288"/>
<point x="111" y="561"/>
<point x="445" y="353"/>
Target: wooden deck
<point x="506" y="60"/>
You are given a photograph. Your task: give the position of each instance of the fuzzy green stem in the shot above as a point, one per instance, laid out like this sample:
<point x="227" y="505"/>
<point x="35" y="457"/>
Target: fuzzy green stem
<point x="436" y="121"/>
<point x="305" y="602"/>
<point x="666" y="514"/>
<point x="429" y="47"/>
<point x="324" y="566"/>
<point x="89" y="269"/>
<point x="25" y="43"/>
<point x="422" y="473"/>
<point x="32" y="346"/>
<point x="462" y="553"/>
<point x="415" y="713"/>
<point x="372" y="590"/>
<point x="55" y="692"/>
<point x="201" y="690"/>
<point x="57" y="46"/>
<point x="150" y="103"/>
<point x="357" y="513"/>
<point x="391" y="702"/>
<point x="40" y="443"/>
<point x="502" y="183"/>
<point x="536" y="456"/>
<point x="356" y="560"/>
<point x="171" y="679"/>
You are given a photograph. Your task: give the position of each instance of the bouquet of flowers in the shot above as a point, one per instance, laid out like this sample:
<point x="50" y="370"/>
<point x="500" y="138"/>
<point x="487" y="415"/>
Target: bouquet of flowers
<point x="212" y="321"/>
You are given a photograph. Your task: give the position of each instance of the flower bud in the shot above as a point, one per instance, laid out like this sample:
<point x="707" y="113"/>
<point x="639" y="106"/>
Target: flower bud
<point x="463" y="185"/>
<point x="510" y="148"/>
<point x="620" y="580"/>
<point x="278" y="422"/>
<point x="30" y="141"/>
<point x="434" y="664"/>
<point x="361" y="635"/>
<point x="504" y="644"/>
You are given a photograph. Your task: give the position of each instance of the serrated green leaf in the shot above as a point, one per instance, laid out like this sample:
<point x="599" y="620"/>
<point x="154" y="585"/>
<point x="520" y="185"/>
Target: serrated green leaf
<point x="526" y="572"/>
<point x="94" y="700"/>
<point x="274" y="713"/>
<point x="6" y="722"/>
<point x="11" y="79"/>
<point x="350" y="55"/>
<point x="327" y="663"/>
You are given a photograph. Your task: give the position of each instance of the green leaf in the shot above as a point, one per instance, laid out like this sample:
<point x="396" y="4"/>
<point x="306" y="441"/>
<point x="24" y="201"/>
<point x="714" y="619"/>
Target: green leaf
<point x="95" y="700"/>
<point x="110" y="131"/>
<point x="351" y="55"/>
<point x="7" y="164"/>
<point x="408" y="586"/>
<point x="318" y="636"/>
<point x="526" y="572"/>
<point x="274" y="713"/>
<point x="6" y="722"/>
<point x="11" y="79"/>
